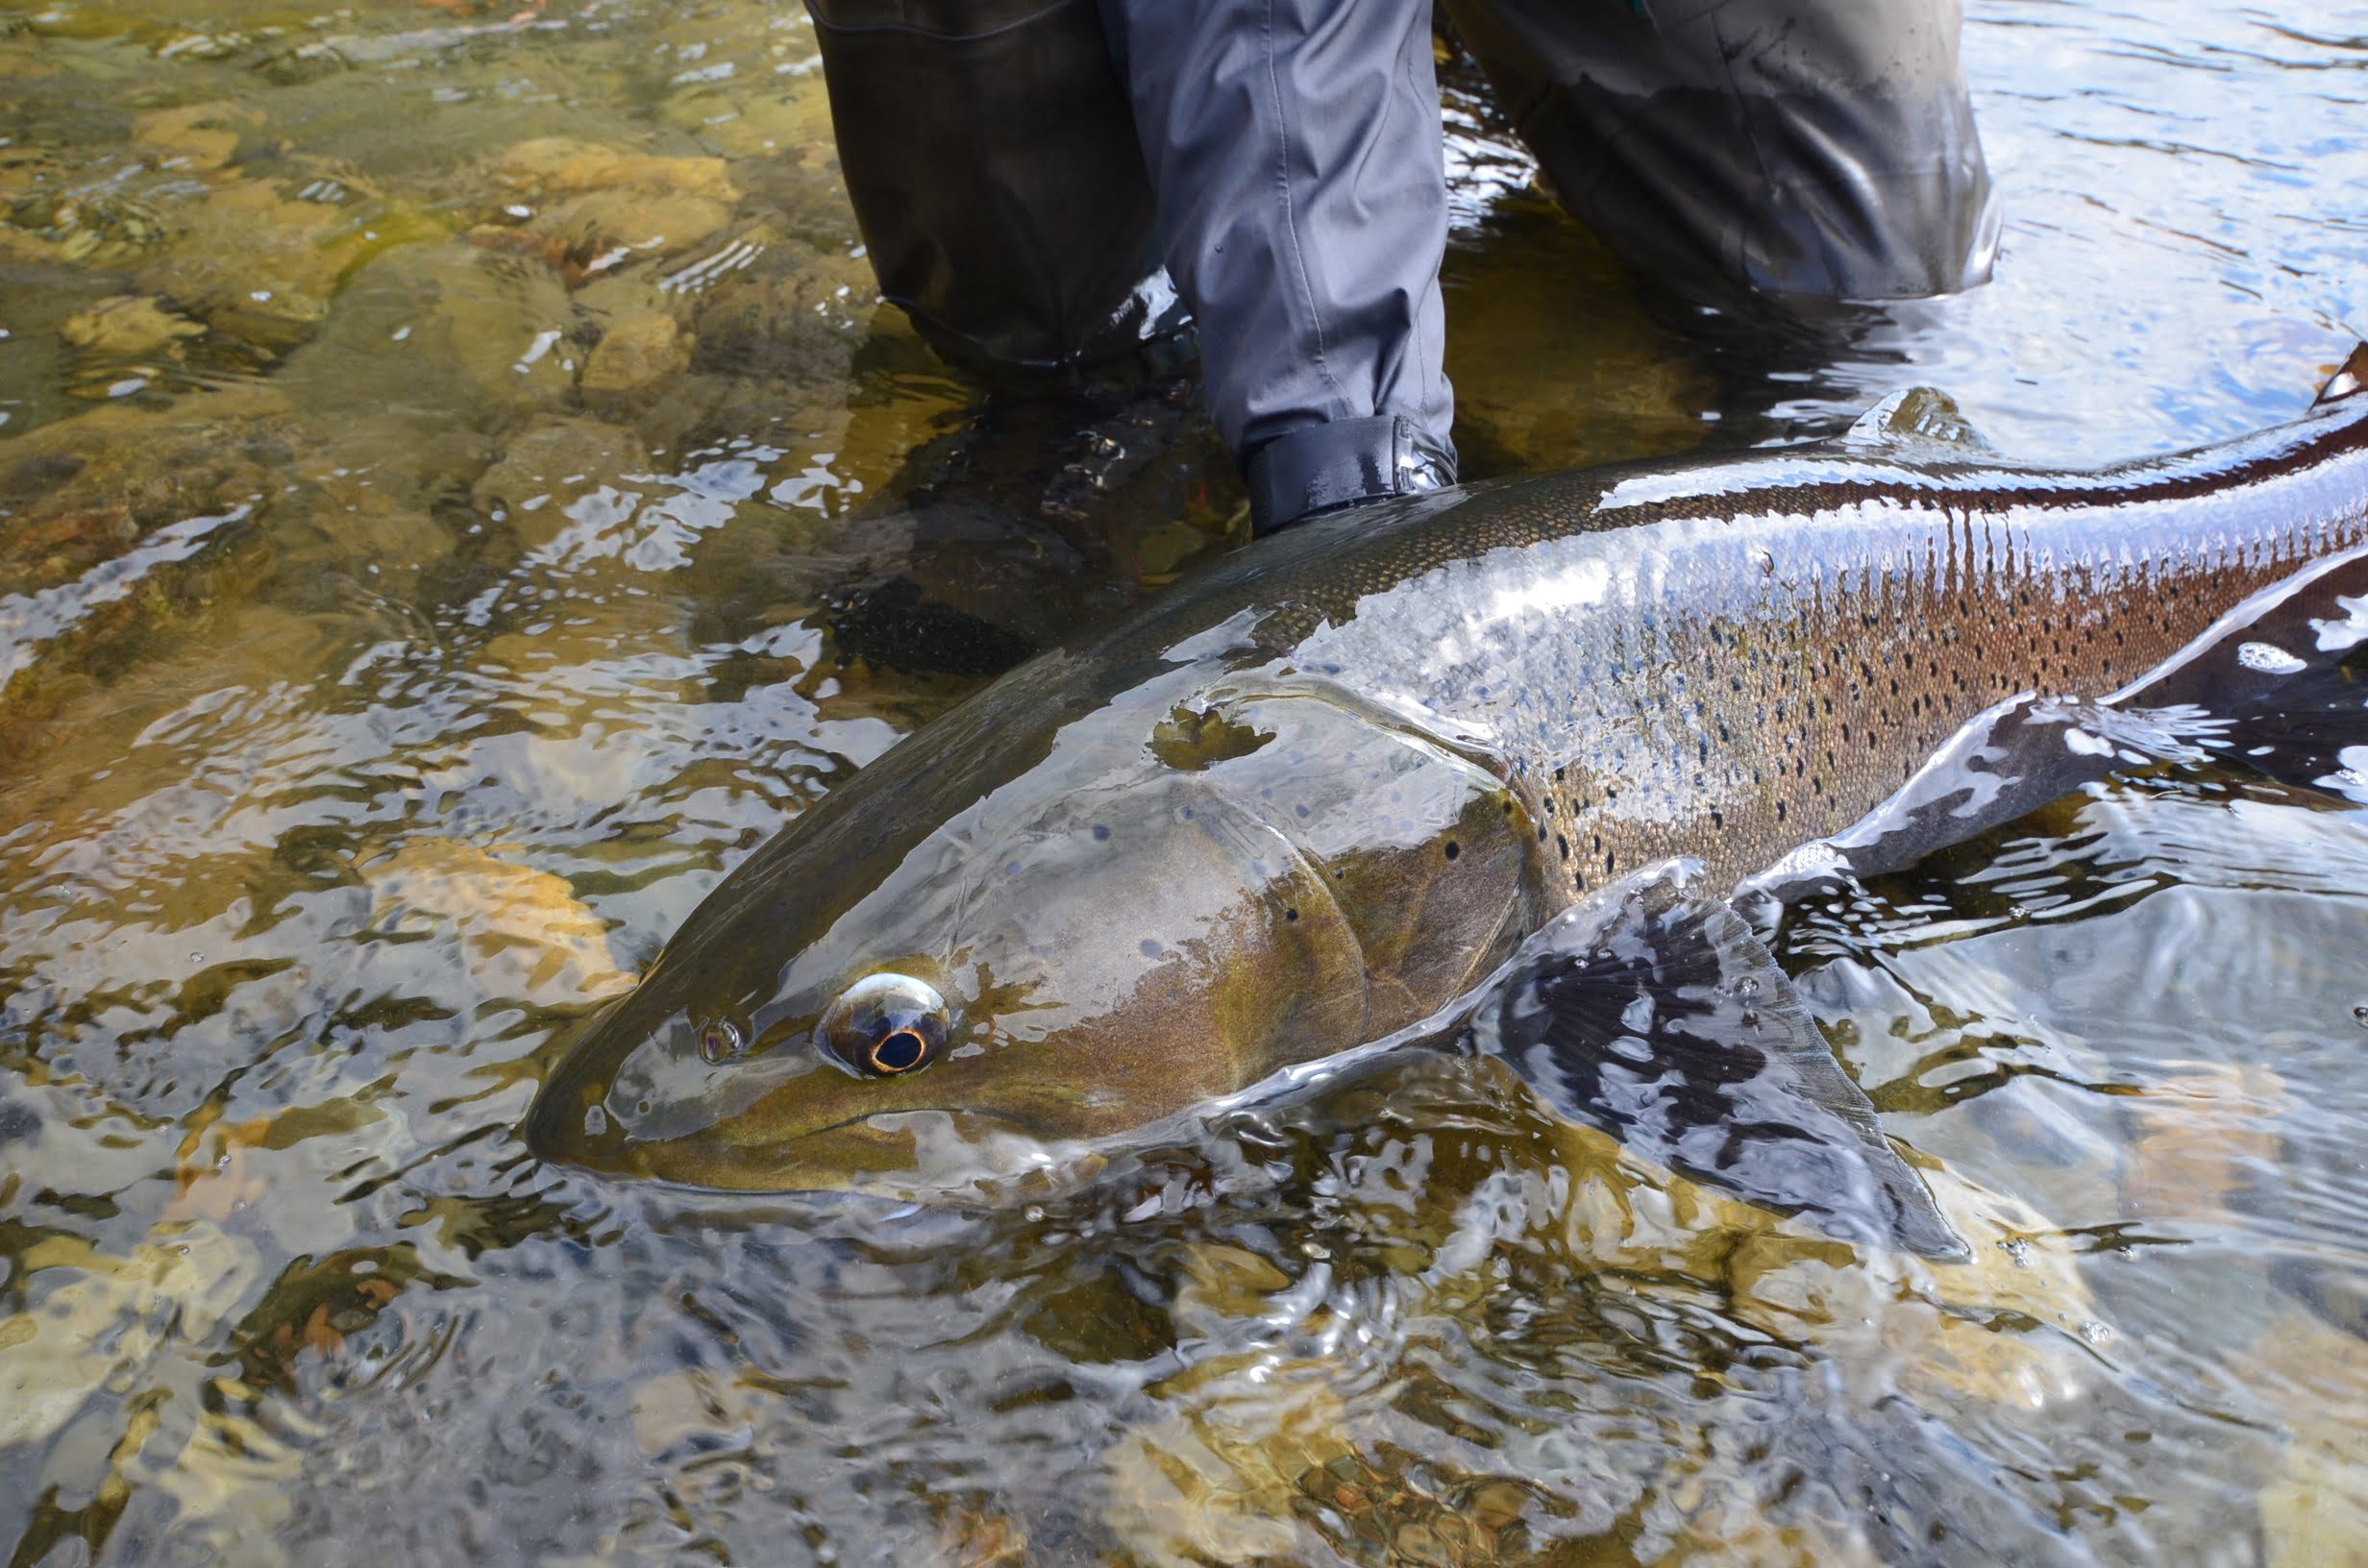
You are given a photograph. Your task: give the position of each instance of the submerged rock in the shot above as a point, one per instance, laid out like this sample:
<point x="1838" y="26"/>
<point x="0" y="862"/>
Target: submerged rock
<point x="80" y="492"/>
<point x="2204" y="1137"/>
<point x="635" y="355"/>
<point x="127" y="325"/>
<point x="258" y="265"/>
<point x="120" y="523"/>
<point x="586" y="211"/>
<point x="550" y="167"/>
<point x="55" y="224"/>
<point x="522" y="933"/>
<point x="93" y="1321"/>
<point x="535" y="486"/>
<point x="200" y="137"/>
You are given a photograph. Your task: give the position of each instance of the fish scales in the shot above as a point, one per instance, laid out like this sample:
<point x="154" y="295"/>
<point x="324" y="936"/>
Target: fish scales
<point x="1316" y="795"/>
<point x="1667" y="676"/>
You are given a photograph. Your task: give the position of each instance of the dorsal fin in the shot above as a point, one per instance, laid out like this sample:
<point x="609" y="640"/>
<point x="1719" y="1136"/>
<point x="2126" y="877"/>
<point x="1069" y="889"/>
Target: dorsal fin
<point x="1919" y="418"/>
<point x="2349" y="378"/>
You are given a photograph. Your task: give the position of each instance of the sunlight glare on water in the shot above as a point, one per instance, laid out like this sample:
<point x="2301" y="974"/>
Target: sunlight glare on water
<point x="458" y="495"/>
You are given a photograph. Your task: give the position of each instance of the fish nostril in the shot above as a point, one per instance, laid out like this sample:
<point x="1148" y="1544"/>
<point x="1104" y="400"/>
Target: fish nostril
<point x="719" y="1041"/>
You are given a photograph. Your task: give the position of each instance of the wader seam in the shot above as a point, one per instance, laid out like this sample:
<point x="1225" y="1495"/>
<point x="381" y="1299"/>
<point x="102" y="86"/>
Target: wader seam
<point x="1434" y="376"/>
<point x="1291" y="222"/>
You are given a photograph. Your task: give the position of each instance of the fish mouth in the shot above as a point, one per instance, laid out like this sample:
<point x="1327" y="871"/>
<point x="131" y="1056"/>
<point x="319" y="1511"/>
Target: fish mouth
<point x="957" y="1117"/>
<point x="942" y="1154"/>
<point x="909" y="1152"/>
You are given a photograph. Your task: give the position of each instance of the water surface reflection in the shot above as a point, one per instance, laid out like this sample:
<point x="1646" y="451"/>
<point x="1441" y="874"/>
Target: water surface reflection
<point x="456" y="498"/>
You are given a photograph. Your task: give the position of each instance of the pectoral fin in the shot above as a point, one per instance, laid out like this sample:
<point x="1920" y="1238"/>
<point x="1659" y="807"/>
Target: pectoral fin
<point x="1919" y="421"/>
<point x="2278" y="685"/>
<point x="2350" y="380"/>
<point x="1657" y="1017"/>
<point x="2287" y="672"/>
<point x="2005" y="764"/>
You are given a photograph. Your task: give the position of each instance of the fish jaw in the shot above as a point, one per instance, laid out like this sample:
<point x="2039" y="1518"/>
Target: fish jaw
<point x="929" y="1154"/>
<point x="609" y="1109"/>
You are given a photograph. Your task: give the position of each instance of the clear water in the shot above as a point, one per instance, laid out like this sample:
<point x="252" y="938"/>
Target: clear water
<point x="431" y="555"/>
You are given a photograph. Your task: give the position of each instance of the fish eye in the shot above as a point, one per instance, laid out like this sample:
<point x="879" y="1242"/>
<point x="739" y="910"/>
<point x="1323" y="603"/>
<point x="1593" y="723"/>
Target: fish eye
<point x="885" y="1025"/>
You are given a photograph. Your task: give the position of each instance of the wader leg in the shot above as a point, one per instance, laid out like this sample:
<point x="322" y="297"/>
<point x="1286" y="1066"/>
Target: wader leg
<point x="1295" y="150"/>
<point x="989" y="150"/>
<point x="1819" y="147"/>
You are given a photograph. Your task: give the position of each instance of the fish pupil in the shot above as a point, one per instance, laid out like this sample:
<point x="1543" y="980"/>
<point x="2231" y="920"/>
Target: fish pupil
<point x="899" y="1052"/>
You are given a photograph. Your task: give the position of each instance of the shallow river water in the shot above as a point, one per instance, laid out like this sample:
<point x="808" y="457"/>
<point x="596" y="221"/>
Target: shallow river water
<point x="458" y="496"/>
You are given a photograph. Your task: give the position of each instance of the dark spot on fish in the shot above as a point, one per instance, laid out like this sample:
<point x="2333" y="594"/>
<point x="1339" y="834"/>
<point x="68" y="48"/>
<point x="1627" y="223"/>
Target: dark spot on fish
<point x="1301" y="810"/>
<point x="1150" y="949"/>
<point x="1453" y="849"/>
<point x="1291" y="915"/>
<point x="1100" y="833"/>
<point x="1011" y="867"/>
<point x="1564" y="845"/>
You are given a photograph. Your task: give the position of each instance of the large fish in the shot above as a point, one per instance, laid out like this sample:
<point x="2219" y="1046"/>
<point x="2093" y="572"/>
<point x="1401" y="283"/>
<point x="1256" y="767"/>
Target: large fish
<point x="1490" y="772"/>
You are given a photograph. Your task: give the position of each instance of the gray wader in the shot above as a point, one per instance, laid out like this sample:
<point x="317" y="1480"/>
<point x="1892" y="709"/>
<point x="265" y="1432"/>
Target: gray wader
<point x="1018" y="168"/>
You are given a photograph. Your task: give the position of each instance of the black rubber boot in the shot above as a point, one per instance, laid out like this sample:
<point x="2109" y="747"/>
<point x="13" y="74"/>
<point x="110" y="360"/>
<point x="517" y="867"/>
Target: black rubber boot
<point x="1793" y="147"/>
<point x="988" y="151"/>
<point x="1323" y="468"/>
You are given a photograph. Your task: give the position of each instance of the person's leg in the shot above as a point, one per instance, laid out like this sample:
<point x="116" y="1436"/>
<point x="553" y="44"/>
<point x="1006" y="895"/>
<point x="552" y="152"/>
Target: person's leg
<point x="1820" y="147"/>
<point x="989" y="150"/>
<point x="1295" y="148"/>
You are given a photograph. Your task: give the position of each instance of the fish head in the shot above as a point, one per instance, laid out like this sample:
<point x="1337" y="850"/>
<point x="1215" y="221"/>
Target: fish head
<point x="915" y="986"/>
